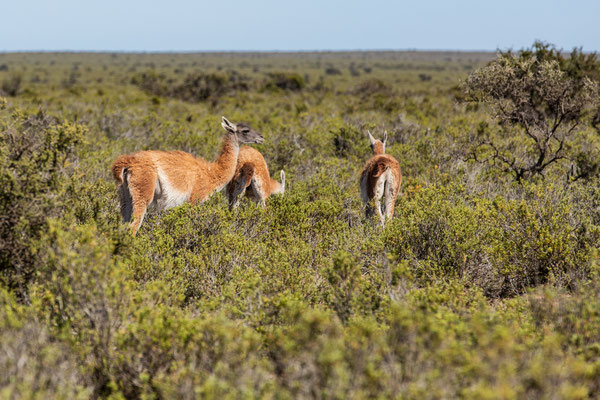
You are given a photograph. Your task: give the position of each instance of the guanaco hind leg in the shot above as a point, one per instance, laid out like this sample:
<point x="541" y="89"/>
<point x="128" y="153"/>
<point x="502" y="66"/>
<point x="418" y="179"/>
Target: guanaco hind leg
<point x="125" y="200"/>
<point x="391" y="192"/>
<point x="141" y="184"/>
<point x="234" y="190"/>
<point x="258" y="192"/>
<point x="369" y="210"/>
<point x="379" y="191"/>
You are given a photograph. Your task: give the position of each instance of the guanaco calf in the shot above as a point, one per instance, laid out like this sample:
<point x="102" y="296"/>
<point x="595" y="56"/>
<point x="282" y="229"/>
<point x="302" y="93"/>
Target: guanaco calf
<point x="380" y="177"/>
<point x="170" y="178"/>
<point x="252" y="177"/>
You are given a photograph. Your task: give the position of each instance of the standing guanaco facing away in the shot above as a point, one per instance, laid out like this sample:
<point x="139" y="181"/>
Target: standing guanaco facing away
<point x="252" y="177"/>
<point x="380" y="177"/>
<point x="170" y="178"/>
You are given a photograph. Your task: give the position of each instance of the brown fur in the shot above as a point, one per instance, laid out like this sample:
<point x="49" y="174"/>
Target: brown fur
<point x="246" y="173"/>
<point x="380" y="166"/>
<point x="175" y="176"/>
<point x="252" y="178"/>
<point x="378" y="147"/>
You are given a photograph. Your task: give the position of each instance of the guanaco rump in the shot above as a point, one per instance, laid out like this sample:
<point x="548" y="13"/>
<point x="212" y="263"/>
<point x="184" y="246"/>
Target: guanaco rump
<point x="252" y="177"/>
<point x="380" y="177"/>
<point x="168" y="179"/>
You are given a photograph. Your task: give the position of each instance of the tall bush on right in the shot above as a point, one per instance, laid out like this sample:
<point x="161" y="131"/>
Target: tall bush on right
<point x="540" y="100"/>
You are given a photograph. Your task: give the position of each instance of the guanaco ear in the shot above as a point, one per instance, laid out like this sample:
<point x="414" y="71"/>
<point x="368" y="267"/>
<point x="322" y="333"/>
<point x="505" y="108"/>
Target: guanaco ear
<point x="282" y="178"/>
<point x="371" y="138"/>
<point x="228" y="126"/>
<point x="384" y="138"/>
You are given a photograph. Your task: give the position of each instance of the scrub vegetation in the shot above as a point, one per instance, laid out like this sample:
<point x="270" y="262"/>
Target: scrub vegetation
<point x="485" y="284"/>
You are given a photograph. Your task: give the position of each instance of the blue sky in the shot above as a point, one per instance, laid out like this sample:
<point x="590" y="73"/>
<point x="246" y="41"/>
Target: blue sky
<point x="185" y="25"/>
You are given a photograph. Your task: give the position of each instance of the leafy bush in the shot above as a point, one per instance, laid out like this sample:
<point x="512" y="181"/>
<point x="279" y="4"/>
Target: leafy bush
<point x="36" y="155"/>
<point x="202" y="87"/>
<point x="11" y="86"/>
<point x="195" y="87"/>
<point x="376" y="94"/>
<point x="533" y="92"/>
<point x="285" y="81"/>
<point x="349" y="142"/>
<point x="332" y="71"/>
<point x="503" y="247"/>
<point x="33" y="364"/>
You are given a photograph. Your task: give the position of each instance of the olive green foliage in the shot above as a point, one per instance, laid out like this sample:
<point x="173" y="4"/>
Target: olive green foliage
<point x="543" y="95"/>
<point x="35" y="152"/>
<point x="479" y="287"/>
<point x="34" y="365"/>
<point x="195" y="86"/>
<point x="11" y="85"/>
<point x="285" y="81"/>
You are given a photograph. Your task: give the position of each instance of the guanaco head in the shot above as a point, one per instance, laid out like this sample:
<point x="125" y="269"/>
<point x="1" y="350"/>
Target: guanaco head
<point x="242" y="132"/>
<point x="377" y="145"/>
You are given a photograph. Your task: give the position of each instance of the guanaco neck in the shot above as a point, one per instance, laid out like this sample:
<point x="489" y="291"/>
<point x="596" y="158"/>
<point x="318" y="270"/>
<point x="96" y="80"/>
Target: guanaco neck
<point x="378" y="148"/>
<point x="223" y="168"/>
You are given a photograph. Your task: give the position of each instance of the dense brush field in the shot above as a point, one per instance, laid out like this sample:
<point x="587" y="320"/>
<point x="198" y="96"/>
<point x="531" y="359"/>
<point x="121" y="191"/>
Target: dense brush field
<point x="484" y="285"/>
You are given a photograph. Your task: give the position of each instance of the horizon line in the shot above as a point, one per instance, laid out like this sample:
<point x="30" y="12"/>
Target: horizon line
<point x="374" y="50"/>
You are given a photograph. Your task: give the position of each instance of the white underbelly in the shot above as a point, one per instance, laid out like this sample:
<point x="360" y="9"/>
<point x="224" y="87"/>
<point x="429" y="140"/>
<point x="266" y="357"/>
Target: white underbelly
<point x="166" y="196"/>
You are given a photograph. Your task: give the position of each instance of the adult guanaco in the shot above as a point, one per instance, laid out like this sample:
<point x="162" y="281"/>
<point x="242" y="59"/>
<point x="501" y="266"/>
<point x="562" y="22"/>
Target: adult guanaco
<point x="252" y="177"/>
<point x="380" y="177"/>
<point x="168" y="179"/>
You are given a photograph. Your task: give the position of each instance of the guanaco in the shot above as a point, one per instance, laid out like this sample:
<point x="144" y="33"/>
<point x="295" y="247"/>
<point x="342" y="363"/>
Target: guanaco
<point x="252" y="177"/>
<point x="380" y="177"/>
<point x="168" y="179"/>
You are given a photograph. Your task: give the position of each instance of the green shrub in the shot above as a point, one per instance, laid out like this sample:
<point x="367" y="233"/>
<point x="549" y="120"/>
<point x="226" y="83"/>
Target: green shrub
<point x="33" y="365"/>
<point x="11" y="86"/>
<point x="202" y="87"/>
<point x="375" y="94"/>
<point x="195" y="87"/>
<point x="542" y="98"/>
<point x="349" y="142"/>
<point x="36" y="155"/>
<point x="87" y="296"/>
<point x="285" y="81"/>
<point x="503" y="247"/>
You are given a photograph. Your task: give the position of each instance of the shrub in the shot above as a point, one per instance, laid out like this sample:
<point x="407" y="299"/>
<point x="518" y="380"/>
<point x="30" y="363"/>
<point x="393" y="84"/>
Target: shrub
<point x="195" y="87"/>
<point x="532" y="93"/>
<point x="285" y="81"/>
<point x="202" y="87"/>
<point x="354" y="71"/>
<point x="371" y="87"/>
<point x="332" y="71"/>
<point x="33" y="364"/>
<point x="11" y="86"/>
<point x="36" y="152"/>
<point x="151" y="82"/>
<point x="86" y="294"/>
<point x="376" y="94"/>
<point x="503" y="247"/>
<point x="349" y="142"/>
